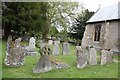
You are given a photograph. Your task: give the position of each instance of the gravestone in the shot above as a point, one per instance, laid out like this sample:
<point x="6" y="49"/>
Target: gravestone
<point x="50" y="42"/>
<point x="9" y="42"/>
<point x="43" y="44"/>
<point x="31" y="48"/>
<point x="44" y="64"/>
<point x="55" y="48"/>
<point x="15" y="54"/>
<point x="86" y="50"/>
<point x="81" y="57"/>
<point x="106" y="57"/>
<point x="65" y="48"/>
<point x="110" y="57"/>
<point x="93" y="56"/>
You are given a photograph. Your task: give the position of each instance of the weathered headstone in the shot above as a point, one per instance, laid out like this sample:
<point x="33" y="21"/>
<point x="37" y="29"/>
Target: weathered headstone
<point x="93" y="56"/>
<point x="15" y="54"/>
<point x="9" y="42"/>
<point x="86" y="51"/>
<point x="50" y="42"/>
<point x="106" y="57"/>
<point x="66" y="48"/>
<point x="44" y="64"/>
<point x="55" y="48"/>
<point x="110" y="57"/>
<point x="31" y="48"/>
<point x="81" y="57"/>
<point x="42" y="45"/>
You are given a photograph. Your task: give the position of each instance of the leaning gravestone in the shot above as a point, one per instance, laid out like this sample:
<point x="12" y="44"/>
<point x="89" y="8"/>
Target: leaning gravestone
<point x="15" y="54"/>
<point x="81" y="57"/>
<point x="65" y="48"/>
<point x="31" y="48"/>
<point x="93" y="56"/>
<point x="44" y="64"/>
<point x="55" y="48"/>
<point x="106" y="57"/>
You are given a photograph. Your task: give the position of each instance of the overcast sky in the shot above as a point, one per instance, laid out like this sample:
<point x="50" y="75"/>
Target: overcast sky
<point x="93" y="5"/>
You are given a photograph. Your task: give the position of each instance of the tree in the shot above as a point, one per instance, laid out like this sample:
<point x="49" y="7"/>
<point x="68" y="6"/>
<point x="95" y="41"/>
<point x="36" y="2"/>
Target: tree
<point x="80" y="23"/>
<point x="36" y="17"/>
<point x="22" y="17"/>
<point x="61" y="14"/>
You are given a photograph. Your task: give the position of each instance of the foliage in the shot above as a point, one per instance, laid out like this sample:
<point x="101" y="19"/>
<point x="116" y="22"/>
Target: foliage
<point x="80" y="23"/>
<point x="37" y="17"/>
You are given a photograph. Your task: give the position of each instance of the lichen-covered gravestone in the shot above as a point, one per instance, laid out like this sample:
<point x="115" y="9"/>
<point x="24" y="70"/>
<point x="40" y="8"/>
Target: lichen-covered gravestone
<point x="93" y="56"/>
<point x="9" y="42"/>
<point x="106" y="57"/>
<point x="31" y="48"/>
<point x="81" y="57"/>
<point x="44" y="64"/>
<point x="15" y="53"/>
<point x="66" y="48"/>
<point x="55" y="48"/>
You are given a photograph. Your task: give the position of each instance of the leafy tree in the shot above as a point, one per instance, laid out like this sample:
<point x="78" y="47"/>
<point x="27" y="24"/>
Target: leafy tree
<point x="80" y="23"/>
<point x="36" y="18"/>
<point x="61" y="14"/>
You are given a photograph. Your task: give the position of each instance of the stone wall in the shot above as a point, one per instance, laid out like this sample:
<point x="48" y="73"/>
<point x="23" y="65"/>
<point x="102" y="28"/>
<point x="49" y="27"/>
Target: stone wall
<point x="108" y="36"/>
<point x="111" y="36"/>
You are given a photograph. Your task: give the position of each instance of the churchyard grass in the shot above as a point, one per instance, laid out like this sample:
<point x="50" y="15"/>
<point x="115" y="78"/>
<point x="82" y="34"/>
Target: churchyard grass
<point x="109" y="70"/>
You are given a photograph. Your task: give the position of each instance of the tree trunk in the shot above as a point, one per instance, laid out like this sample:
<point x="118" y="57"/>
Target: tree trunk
<point x="44" y="35"/>
<point x="7" y="30"/>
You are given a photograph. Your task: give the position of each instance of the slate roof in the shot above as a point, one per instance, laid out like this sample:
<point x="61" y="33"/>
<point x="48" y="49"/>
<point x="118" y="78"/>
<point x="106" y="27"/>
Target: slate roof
<point x="107" y="13"/>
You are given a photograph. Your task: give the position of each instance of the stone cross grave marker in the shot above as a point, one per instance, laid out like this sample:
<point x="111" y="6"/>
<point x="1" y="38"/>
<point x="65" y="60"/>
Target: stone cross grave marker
<point x="81" y="57"/>
<point x="44" y="64"/>
<point x="66" y="48"/>
<point x="93" y="56"/>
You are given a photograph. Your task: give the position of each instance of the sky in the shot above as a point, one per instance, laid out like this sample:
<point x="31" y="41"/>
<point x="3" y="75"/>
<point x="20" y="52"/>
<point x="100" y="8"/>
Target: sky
<point x="93" y="5"/>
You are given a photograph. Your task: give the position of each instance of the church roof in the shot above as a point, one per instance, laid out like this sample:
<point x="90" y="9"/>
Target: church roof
<point x="107" y="13"/>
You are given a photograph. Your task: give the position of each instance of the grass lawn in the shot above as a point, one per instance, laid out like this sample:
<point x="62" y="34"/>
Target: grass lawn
<point x="97" y="71"/>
